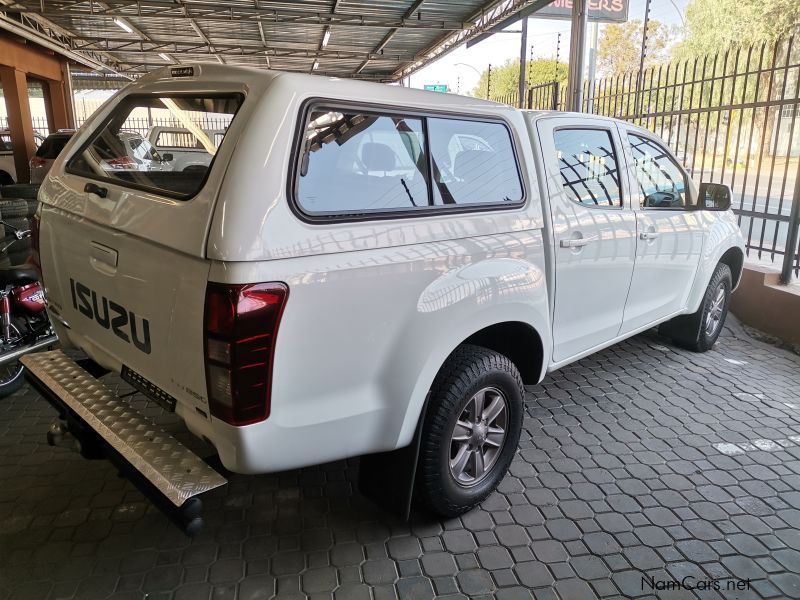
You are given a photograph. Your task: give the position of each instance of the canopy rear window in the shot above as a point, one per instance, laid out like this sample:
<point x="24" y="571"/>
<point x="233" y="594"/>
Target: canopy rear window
<point x="118" y="152"/>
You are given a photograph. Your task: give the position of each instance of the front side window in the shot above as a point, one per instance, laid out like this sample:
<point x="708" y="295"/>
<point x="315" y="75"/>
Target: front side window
<point x="119" y="154"/>
<point x="662" y="182"/>
<point x="588" y="165"/>
<point x="353" y="163"/>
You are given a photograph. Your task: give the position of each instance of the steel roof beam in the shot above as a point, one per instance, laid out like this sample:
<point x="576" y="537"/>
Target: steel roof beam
<point x="480" y="23"/>
<point x="387" y="38"/>
<point x="190" y="10"/>
<point x="152" y="45"/>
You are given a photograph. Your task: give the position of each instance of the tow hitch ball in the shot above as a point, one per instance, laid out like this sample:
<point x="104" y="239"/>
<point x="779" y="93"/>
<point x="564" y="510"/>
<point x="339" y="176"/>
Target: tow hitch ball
<point x="55" y="435"/>
<point x="63" y="434"/>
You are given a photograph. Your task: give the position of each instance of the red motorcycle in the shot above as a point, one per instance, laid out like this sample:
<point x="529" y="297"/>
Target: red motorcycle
<point x="24" y="325"/>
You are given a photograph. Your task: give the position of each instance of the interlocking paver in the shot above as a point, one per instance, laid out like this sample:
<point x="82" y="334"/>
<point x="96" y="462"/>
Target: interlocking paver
<point x="617" y="478"/>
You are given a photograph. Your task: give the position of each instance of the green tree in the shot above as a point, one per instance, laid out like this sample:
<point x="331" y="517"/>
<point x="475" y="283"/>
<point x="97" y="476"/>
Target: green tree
<point x="505" y="78"/>
<point x="714" y="26"/>
<point x="620" y="45"/>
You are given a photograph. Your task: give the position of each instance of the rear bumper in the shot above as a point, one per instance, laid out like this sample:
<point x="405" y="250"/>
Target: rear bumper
<point x="163" y="468"/>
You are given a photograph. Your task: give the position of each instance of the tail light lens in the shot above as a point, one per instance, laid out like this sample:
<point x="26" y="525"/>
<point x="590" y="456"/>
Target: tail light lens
<point x="35" y="223"/>
<point x="241" y="323"/>
<point x="122" y="162"/>
<point x="37" y="162"/>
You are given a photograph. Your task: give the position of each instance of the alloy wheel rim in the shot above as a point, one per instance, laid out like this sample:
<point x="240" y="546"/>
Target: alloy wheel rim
<point x="478" y="436"/>
<point x="714" y="316"/>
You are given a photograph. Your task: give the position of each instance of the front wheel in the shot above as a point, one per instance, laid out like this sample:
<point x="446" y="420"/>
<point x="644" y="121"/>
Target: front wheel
<point x="470" y="431"/>
<point x="699" y="331"/>
<point x="12" y="376"/>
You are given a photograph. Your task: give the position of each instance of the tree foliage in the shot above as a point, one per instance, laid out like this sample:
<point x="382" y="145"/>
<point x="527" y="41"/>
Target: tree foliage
<point x="713" y="26"/>
<point x="505" y="78"/>
<point x="619" y="46"/>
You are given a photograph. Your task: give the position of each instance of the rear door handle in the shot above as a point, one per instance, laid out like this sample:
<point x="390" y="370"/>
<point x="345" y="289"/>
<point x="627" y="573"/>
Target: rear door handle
<point x="93" y="188"/>
<point x="575" y="242"/>
<point x="648" y="235"/>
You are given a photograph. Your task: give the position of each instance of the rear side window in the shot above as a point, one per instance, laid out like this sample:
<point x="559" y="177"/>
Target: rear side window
<point x="118" y="153"/>
<point x="181" y="139"/>
<point x="52" y="146"/>
<point x="356" y="163"/>
<point x="473" y="163"/>
<point x="588" y="166"/>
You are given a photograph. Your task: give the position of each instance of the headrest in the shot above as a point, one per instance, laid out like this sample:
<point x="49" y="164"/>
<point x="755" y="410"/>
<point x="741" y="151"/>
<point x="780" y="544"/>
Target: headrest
<point x="378" y="157"/>
<point x="473" y="164"/>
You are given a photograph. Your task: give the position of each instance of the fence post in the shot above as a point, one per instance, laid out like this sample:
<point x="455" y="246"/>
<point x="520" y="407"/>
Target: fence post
<point x="556" y="94"/>
<point x="791" y="235"/>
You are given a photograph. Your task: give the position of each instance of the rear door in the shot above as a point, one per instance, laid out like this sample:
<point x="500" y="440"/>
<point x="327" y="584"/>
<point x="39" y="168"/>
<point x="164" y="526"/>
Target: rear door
<point x="670" y="232"/>
<point x="594" y="231"/>
<point x="122" y="245"/>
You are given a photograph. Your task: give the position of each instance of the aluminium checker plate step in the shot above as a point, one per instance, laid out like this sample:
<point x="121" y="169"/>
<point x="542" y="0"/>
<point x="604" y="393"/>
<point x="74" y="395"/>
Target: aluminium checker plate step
<point x="177" y="472"/>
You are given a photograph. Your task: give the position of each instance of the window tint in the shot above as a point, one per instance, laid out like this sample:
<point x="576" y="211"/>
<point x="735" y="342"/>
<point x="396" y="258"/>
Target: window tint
<point x="355" y="163"/>
<point x="588" y="166"/>
<point x="180" y="139"/>
<point x="5" y="143"/>
<point x="473" y="163"/>
<point x="52" y="146"/>
<point x="660" y="179"/>
<point x="118" y="154"/>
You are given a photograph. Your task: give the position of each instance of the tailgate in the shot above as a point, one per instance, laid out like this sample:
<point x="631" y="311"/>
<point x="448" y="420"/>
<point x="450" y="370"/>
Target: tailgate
<point x="127" y="302"/>
<point x="123" y="233"/>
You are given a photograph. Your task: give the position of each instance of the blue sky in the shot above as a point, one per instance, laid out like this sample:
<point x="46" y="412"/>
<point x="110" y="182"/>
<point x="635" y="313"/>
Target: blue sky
<point x="543" y="34"/>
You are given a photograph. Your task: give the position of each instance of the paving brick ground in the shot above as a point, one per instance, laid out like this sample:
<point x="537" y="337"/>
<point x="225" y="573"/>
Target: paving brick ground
<point x="642" y="461"/>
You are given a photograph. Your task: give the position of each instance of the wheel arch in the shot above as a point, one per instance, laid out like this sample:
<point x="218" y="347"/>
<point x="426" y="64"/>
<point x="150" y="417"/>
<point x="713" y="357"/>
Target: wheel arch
<point x="734" y="258"/>
<point x="515" y="340"/>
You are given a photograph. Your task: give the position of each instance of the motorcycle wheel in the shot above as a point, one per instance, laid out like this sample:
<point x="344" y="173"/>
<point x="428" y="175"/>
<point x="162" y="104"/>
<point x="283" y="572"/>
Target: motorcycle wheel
<point x="11" y="378"/>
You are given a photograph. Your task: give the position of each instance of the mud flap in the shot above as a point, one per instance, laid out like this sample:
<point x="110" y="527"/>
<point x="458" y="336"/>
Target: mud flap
<point x="388" y="478"/>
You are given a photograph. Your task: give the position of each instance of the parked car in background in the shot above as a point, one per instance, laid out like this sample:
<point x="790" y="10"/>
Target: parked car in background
<point x="49" y="149"/>
<point x="8" y="170"/>
<point x="182" y="149"/>
<point x="362" y="268"/>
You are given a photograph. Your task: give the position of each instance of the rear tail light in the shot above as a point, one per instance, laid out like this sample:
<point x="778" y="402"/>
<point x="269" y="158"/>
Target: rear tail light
<point x="122" y="162"/>
<point x="241" y="322"/>
<point x="37" y="162"/>
<point x="35" y="223"/>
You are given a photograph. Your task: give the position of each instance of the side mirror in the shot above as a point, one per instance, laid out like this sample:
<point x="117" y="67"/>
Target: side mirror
<point x="167" y="157"/>
<point x="714" y="196"/>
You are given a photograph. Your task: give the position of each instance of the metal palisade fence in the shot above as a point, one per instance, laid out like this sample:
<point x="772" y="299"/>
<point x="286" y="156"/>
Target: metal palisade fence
<point x="731" y="118"/>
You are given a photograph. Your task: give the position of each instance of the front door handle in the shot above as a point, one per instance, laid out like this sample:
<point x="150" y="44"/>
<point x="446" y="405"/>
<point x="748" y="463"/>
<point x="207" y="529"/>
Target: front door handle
<point x="93" y="188"/>
<point x="575" y="242"/>
<point x="648" y="235"/>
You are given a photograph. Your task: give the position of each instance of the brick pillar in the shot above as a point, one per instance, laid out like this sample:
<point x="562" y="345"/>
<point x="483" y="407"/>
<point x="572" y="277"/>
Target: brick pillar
<point x="15" y="90"/>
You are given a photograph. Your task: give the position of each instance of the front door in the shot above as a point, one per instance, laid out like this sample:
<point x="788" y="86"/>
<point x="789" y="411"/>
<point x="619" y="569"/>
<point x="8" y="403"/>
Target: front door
<point x="594" y="232"/>
<point x="670" y="233"/>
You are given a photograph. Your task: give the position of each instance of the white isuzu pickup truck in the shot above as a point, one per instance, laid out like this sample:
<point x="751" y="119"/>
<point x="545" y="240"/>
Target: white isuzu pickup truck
<point x="361" y="268"/>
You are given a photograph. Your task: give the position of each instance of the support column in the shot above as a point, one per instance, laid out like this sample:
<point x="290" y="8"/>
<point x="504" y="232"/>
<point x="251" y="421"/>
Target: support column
<point x="15" y="90"/>
<point x="57" y="105"/>
<point x="523" y="48"/>
<point x="577" y="51"/>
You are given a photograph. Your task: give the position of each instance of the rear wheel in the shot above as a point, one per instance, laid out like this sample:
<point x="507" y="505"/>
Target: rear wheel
<point x="470" y="431"/>
<point x="699" y="331"/>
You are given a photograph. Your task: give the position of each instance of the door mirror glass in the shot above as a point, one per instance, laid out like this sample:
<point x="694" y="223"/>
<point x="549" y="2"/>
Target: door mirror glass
<point x="714" y="196"/>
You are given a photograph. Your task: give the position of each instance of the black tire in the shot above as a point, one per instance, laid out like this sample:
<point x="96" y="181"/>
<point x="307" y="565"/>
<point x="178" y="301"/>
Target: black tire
<point x="11" y="379"/>
<point x="467" y="371"/>
<point x="14" y="208"/>
<point x="26" y="191"/>
<point x="695" y="332"/>
<point x="5" y="179"/>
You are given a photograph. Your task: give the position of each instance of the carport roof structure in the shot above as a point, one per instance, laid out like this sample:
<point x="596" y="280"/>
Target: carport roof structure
<point x="384" y="40"/>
